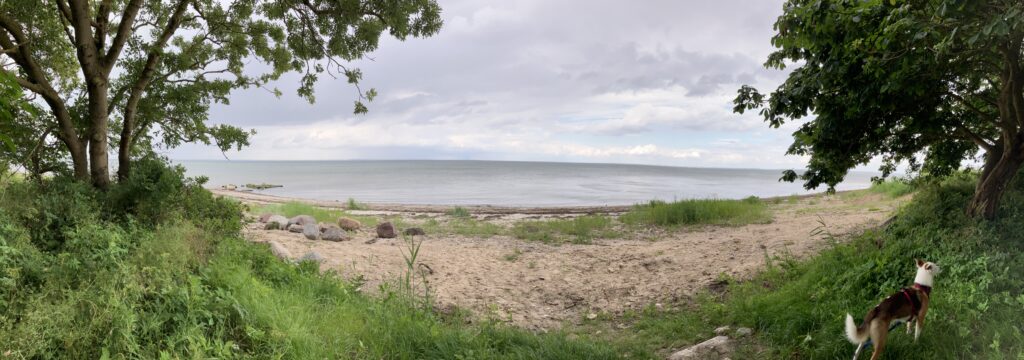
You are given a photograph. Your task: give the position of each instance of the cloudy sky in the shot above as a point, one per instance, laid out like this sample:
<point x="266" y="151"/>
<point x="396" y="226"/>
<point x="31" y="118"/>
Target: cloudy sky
<point x="645" y="82"/>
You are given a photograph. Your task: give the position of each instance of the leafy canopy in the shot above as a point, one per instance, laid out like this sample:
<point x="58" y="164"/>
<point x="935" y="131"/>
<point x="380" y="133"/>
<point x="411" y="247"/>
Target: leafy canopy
<point x="893" y="79"/>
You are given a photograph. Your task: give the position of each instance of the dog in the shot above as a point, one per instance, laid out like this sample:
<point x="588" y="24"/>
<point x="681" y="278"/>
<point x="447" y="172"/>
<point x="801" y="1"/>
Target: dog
<point x="908" y="305"/>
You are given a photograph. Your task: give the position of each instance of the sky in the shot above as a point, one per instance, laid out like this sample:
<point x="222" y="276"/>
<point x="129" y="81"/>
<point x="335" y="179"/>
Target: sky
<point x="638" y="82"/>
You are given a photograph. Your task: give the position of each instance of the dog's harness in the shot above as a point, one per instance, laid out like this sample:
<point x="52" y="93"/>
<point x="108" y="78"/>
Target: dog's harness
<point x="915" y="301"/>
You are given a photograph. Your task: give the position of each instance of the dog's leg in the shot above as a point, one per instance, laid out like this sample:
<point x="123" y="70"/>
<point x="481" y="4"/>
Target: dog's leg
<point x="919" y="322"/>
<point x="879" y="331"/>
<point x="909" y="322"/>
<point x="856" y="354"/>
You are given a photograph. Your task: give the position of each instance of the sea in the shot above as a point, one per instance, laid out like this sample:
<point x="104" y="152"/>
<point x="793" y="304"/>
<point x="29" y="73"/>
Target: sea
<point x="500" y="183"/>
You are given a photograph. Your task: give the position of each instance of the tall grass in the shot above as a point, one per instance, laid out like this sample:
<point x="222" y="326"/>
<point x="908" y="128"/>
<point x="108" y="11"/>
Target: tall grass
<point x="892" y="188"/>
<point x="458" y="212"/>
<point x="699" y="211"/>
<point x="354" y="205"/>
<point x="579" y="230"/>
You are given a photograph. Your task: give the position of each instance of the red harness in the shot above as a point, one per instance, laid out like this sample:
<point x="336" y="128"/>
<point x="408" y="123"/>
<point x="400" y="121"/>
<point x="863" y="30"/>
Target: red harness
<point x="915" y="303"/>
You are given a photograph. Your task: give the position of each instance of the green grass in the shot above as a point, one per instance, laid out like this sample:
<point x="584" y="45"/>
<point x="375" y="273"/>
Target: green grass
<point x="579" y="230"/>
<point x="330" y="216"/>
<point x="699" y="212"/>
<point x="354" y="205"/>
<point x="458" y="212"/>
<point x="797" y="307"/>
<point x="513" y="256"/>
<point x="892" y="188"/>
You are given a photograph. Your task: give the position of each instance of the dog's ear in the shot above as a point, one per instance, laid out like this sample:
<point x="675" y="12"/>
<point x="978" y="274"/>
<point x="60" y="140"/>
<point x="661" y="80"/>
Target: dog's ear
<point x="919" y="262"/>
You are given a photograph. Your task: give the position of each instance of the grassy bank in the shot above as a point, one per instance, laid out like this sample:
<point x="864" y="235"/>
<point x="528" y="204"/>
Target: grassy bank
<point x="797" y="307"/>
<point x="156" y="269"/>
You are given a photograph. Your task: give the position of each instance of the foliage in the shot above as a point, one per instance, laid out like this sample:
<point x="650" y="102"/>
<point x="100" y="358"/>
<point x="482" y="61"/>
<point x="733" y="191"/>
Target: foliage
<point x="174" y="290"/>
<point x="797" y="307"/>
<point x="578" y="230"/>
<point x="699" y="212"/>
<point x="894" y="79"/>
<point x="892" y="188"/>
<point x="153" y="68"/>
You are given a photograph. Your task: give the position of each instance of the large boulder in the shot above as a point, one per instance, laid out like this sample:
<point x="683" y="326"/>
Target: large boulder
<point x="349" y="224"/>
<point x="718" y="347"/>
<point x="279" y="250"/>
<point x="334" y="234"/>
<point x="277" y="222"/>
<point x="386" y="230"/>
<point x="414" y="232"/>
<point x="311" y="231"/>
<point x="302" y="220"/>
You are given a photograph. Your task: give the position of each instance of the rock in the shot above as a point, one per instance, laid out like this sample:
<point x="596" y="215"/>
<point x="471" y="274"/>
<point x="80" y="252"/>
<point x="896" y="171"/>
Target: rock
<point x="281" y="221"/>
<point x="325" y="227"/>
<point x="414" y="231"/>
<point x="744" y="332"/>
<point x="295" y="228"/>
<point x="386" y="230"/>
<point x="265" y="217"/>
<point x="718" y="348"/>
<point x="723" y="330"/>
<point x="279" y="250"/>
<point x="371" y="241"/>
<point x="231" y="187"/>
<point x="311" y="231"/>
<point x="349" y="224"/>
<point x="272" y="226"/>
<point x="334" y="234"/>
<point x="302" y="220"/>
<point x="312" y="256"/>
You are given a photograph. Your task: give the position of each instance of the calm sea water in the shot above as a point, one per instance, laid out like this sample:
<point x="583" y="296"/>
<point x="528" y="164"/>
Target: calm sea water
<point x="500" y="182"/>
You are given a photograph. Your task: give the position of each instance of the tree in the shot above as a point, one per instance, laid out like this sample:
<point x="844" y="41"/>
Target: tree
<point x="123" y="69"/>
<point x="899" y="79"/>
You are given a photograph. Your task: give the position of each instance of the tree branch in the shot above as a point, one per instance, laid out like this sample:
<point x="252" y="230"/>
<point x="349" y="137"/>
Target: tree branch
<point x="977" y="139"/>
<point x="124" y="31"/>
<point x="146" y="76"/>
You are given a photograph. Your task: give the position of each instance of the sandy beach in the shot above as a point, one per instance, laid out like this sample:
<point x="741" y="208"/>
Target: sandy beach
<point x="542" y="286"/>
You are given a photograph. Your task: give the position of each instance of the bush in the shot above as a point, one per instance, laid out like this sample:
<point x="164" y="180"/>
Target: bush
<point x="157" y="193"/>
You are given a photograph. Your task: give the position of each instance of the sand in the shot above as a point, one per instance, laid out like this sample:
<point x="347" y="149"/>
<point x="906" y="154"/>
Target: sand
<point x="539" y="286"/>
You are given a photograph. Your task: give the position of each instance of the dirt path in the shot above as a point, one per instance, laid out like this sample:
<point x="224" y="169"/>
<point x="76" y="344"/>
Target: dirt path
<point x="542" y="286"/>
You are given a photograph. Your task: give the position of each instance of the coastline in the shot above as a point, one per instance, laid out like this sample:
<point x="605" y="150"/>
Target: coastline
<point x="483" y="209"/>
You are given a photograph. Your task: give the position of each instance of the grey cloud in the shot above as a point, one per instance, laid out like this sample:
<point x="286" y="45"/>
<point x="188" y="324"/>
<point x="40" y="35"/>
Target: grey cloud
<point x="533" y="69"/>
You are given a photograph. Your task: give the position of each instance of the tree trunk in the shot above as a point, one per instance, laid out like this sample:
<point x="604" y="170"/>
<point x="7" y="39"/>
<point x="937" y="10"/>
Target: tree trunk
<point x="98" y="144"/>
<point x="124" y="159"/>
<point x="1000" y="168"/>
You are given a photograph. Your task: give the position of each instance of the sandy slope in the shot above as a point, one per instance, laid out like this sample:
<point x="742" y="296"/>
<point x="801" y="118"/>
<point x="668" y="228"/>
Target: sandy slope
<point x="544" y="286"/>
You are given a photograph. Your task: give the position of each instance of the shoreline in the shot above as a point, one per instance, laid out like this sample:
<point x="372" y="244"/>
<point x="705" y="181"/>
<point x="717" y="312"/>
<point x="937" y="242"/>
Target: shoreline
<point x="483" y="209"/>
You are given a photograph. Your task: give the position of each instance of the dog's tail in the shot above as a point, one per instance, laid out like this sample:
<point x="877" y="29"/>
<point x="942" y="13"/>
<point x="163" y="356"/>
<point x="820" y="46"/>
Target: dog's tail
<point x="856" y="334"/>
